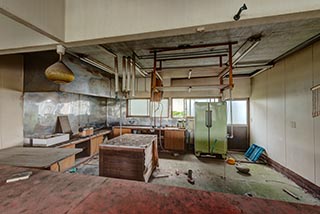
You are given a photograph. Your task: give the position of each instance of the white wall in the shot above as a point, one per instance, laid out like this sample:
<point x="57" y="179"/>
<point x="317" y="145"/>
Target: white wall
<point x="11" y="110"/>
<point x="281" y="113"/>
<point x="97" y="19"/>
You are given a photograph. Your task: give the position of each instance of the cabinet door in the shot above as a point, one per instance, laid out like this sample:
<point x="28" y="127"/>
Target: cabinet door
<point x="174" y="140"/>
<point x="94" y="144"/>
<point x="116" y="131"/>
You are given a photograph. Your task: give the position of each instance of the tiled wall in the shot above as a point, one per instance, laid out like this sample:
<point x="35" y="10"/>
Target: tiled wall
<point x="41" y="111"/>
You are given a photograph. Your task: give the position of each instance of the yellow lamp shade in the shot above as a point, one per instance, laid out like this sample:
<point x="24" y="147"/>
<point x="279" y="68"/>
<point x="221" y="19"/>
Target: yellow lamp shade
<point x="59" y="73"/>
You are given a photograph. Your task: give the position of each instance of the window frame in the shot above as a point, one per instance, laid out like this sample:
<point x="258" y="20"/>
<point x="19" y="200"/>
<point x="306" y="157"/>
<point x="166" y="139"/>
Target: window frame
<point x="185" y="107"/>
<point x="142" y="116"/>
<point x="248" y="112"/>
<point x="167" y="116"/>
<point x="149" y="109"/>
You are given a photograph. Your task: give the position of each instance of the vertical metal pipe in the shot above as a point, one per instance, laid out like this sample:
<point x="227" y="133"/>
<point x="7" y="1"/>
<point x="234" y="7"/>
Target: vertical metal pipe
<point x="154" y="76"/>
<point x="153" y="83"/>
<point x="116" y="76"/>
<point x="124" y="73"/>
<point x="133" y="76"/>
<point x="208" y="124"/>
<point x="231" y="116"/>
<point x="128" y="74"/>
<point x="230" y="66"/>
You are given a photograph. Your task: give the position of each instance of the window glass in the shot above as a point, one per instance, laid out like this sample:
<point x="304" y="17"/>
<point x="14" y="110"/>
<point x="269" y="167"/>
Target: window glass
<point x="185" y="107"/>
<point x="239" y="112"/>
<point x="161" y="108"/>
<point x="178" y="108"/>
<point x="190" y="105"/>
<point x="138" y="107"/>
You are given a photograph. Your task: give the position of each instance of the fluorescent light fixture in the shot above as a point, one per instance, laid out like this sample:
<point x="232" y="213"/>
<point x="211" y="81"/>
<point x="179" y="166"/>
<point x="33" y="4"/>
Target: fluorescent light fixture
<point x="262" y="70"/>
<point x="97" y="64"/>
<point x="315" y="87"/>
<point x="239" y="54"/>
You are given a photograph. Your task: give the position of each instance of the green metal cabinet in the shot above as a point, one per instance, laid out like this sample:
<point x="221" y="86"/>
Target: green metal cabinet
<point x="212" y="140"/>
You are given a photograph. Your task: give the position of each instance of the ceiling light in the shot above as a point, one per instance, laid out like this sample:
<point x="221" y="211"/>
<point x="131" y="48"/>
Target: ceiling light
<point x="59" y="72"/>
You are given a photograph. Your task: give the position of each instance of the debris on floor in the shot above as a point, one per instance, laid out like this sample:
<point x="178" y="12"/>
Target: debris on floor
<point x="290" y="193"/>
<point x="190" y="179"/>
<point x="158" y="174"/>
<point x="216" y="175"/>
<point x="249" y="194"/>
<point x="175" y="154"/>
<point x="177" y="172"/>
<point x="19" y="176"/>
<point x="161" y="176"/>
<point x="243" y="169"/>
<point x="73" y="170"/>
<point x="231" y="161"/>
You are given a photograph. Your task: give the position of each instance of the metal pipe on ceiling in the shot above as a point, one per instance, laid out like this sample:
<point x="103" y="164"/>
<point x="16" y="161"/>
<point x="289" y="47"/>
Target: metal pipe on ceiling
<point x="245" y="48"/>
<point x="164" y="49"/>
<point x="192" y="57"/>
<point x="185" y="54"/>
<point x="179" y="67"/>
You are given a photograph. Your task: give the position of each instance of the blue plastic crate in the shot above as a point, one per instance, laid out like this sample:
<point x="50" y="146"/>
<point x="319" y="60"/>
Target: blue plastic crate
<point x="254" y="152"/>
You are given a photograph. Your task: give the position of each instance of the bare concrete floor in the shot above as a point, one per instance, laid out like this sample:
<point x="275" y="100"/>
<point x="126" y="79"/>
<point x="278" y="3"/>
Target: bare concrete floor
<point x="215" y="175"/>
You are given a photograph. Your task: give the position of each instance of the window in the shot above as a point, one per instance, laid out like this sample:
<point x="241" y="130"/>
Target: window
<point x="185" y="107"/>
<point x="138" y="107"/>
<point x="239" y="112"/>
<point x="191" y="102"/>
<point x="145" y="108"/>
<point x="158" y="109"/>
<point x="178" y="108"/>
